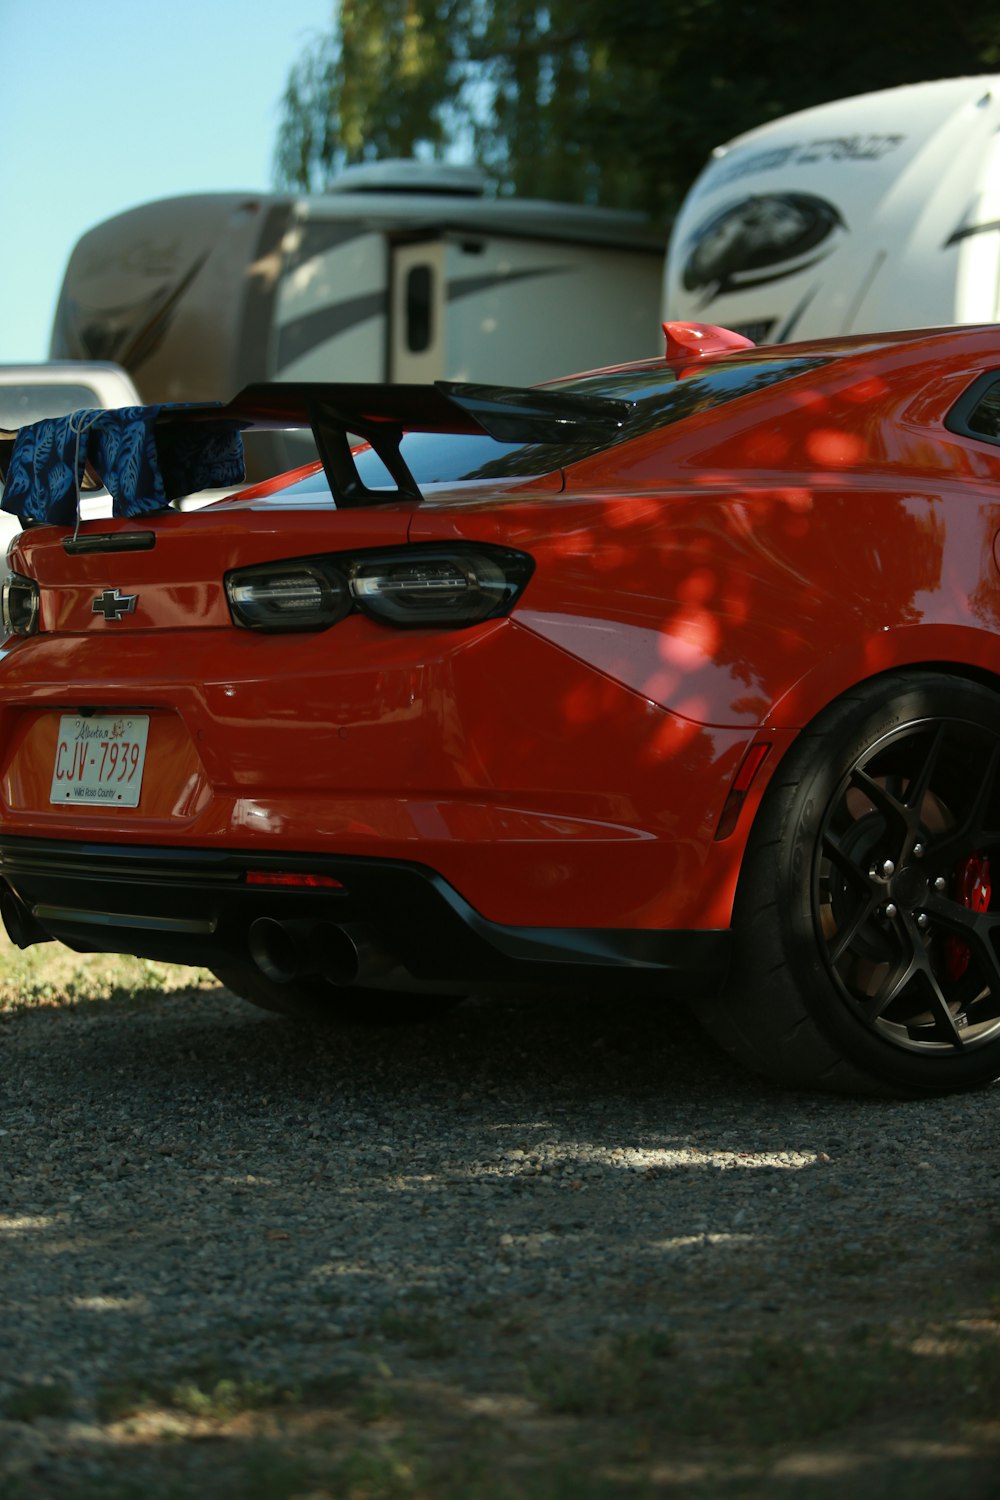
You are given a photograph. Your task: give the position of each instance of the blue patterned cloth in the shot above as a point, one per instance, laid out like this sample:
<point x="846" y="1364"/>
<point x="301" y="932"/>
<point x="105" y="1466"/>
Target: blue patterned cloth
<point x="143" y="465"/>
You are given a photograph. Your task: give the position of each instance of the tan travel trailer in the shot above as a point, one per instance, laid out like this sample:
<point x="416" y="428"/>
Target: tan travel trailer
<point x="876" y="212"/>
<point x="403" y="272"/>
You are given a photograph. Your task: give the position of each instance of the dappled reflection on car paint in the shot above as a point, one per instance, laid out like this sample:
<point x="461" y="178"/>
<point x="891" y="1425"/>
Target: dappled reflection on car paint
<point x="580" y="768"/>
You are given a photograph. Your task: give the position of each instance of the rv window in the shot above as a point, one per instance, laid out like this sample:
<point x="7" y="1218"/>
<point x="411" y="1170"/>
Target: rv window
<point x="419" y="312"/>
<point x="977" y="413"/>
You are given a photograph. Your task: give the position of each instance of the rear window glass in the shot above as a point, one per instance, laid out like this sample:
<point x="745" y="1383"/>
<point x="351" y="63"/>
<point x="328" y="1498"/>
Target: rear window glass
<point x="658" y="396"/>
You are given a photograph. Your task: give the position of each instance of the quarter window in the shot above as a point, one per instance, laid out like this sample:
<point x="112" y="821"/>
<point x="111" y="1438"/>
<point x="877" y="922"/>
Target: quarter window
<point x="977" y="413"/>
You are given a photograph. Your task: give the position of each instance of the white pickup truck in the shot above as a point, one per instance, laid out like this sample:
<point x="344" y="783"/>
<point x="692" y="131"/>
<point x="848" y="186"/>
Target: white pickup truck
<point x="30" y="392"/>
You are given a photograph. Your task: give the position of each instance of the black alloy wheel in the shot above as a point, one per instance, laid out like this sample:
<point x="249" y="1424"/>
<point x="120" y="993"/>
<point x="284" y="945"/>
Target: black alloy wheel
<point x="901" y="888"/>
<point x="865" y="918"/>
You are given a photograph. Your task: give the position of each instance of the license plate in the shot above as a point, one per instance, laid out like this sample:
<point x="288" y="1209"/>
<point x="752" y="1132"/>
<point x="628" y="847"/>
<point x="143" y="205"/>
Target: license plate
<point x="99" y="759"/>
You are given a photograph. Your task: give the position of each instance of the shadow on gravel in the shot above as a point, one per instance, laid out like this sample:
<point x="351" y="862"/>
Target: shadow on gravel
<point x="551" y="1041"/>
<point x="554" y="1249"/>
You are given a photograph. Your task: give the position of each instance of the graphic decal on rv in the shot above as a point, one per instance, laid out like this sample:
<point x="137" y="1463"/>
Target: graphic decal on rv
<point x="758" y="240"/>
<point x="966" y="231"/>
<point x="839" y="149"/>
<point x="299" y="336"/>
<point x="469" y="286"/>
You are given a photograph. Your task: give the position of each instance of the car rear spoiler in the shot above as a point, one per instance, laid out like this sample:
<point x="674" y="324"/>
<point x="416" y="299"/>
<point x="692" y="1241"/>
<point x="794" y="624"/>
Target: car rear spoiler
<point x="381" y="414"/>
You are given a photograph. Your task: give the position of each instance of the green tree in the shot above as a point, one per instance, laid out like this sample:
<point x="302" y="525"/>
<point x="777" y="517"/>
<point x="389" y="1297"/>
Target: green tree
<point x="376" y="85"/>
<point x="610" y="101"/>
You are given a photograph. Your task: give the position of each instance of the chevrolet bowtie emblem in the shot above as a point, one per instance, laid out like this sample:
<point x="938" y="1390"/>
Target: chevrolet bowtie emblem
<point x="113" y="605"/>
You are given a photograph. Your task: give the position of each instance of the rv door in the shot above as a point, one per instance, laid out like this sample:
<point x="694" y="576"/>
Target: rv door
<point x="416" y="317"/>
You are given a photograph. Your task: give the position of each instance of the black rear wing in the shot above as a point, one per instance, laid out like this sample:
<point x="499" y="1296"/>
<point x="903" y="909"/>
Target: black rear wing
<point x="380" y="415"/>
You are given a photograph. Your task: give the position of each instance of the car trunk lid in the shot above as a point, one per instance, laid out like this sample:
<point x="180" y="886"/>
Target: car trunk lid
<point x="169" y="572"/>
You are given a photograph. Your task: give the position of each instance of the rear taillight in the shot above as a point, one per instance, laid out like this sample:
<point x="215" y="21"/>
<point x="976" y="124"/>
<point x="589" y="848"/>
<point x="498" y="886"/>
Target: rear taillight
<point x="292" y="596"/>
<point x="444" y="588"/>
<point x="20" y="605"/>
<point x="452" y="587"/>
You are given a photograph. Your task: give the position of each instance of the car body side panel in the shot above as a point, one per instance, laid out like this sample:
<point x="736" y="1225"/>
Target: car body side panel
<point x="783" y="559"/>
<point x="740" y="598"/>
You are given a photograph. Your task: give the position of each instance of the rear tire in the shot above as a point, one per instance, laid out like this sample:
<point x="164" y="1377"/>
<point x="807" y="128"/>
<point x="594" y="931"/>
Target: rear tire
<point x="867" y="944"/>
<point x="318" y="1001"/>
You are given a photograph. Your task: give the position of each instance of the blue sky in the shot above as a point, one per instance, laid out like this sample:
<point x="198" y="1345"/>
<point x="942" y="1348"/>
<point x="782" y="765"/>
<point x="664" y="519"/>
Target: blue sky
<point x="110" y="103"/>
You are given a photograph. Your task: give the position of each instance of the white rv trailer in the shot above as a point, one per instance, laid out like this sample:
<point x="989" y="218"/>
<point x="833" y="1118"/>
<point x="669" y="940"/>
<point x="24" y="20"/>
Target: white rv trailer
<point x="876" y="212"/>
<point x="402" y="272"/>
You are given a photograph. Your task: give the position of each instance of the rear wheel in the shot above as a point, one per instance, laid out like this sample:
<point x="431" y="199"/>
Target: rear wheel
<point x="316" y="1000"/>
<point x="864" y="920"/>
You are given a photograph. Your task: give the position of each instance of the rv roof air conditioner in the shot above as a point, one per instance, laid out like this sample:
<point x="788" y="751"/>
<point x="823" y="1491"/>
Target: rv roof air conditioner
<point x="405" y="176"/>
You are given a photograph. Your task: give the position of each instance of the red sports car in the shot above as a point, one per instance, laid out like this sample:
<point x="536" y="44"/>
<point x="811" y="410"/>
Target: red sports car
<point x="683" y="675"/>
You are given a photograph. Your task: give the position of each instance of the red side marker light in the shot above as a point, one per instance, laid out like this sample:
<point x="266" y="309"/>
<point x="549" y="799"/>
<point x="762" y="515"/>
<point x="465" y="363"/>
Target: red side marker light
<point x="749" y="766"/>
<point x="293" y="878"/>
<point x="686" y="341"/>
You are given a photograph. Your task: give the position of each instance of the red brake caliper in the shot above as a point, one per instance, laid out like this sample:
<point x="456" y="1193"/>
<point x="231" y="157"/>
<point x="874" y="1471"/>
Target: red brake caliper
<point x="973" y="889"/>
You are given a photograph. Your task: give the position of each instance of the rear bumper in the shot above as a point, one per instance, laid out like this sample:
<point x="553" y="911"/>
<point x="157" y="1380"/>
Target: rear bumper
<point x="197" y="907"/>
<point x="544" y="792"/>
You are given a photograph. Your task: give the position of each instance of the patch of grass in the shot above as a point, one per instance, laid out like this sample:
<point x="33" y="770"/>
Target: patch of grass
<point x="385" y="1472"/>
<point x="28" y="1402"/>
<point x="786" y="1391"/>
<point x="375" y="1400"/>
<point x="617" y="1376"/>
<point x="102" y="1487"/>
<point x="257" y="1471"/>
<point x="425" y="1335"/>
<point x="204" y="1390"/>
<point x="48" y="975"/>
<point x="778" y="1391"/>
<point x="562" y="1479"/>
<point x="226" y="1399"/>
<point x="216" y="1392"/>
<point x="626" y="1417"/>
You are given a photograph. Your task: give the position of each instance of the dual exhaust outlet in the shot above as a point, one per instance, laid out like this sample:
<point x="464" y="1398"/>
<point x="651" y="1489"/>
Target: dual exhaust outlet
<point x="284" y="951"/>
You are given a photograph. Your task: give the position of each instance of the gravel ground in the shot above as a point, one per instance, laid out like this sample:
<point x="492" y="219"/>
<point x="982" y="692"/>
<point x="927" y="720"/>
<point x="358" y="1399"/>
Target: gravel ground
<point x="481" y="1208"/>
